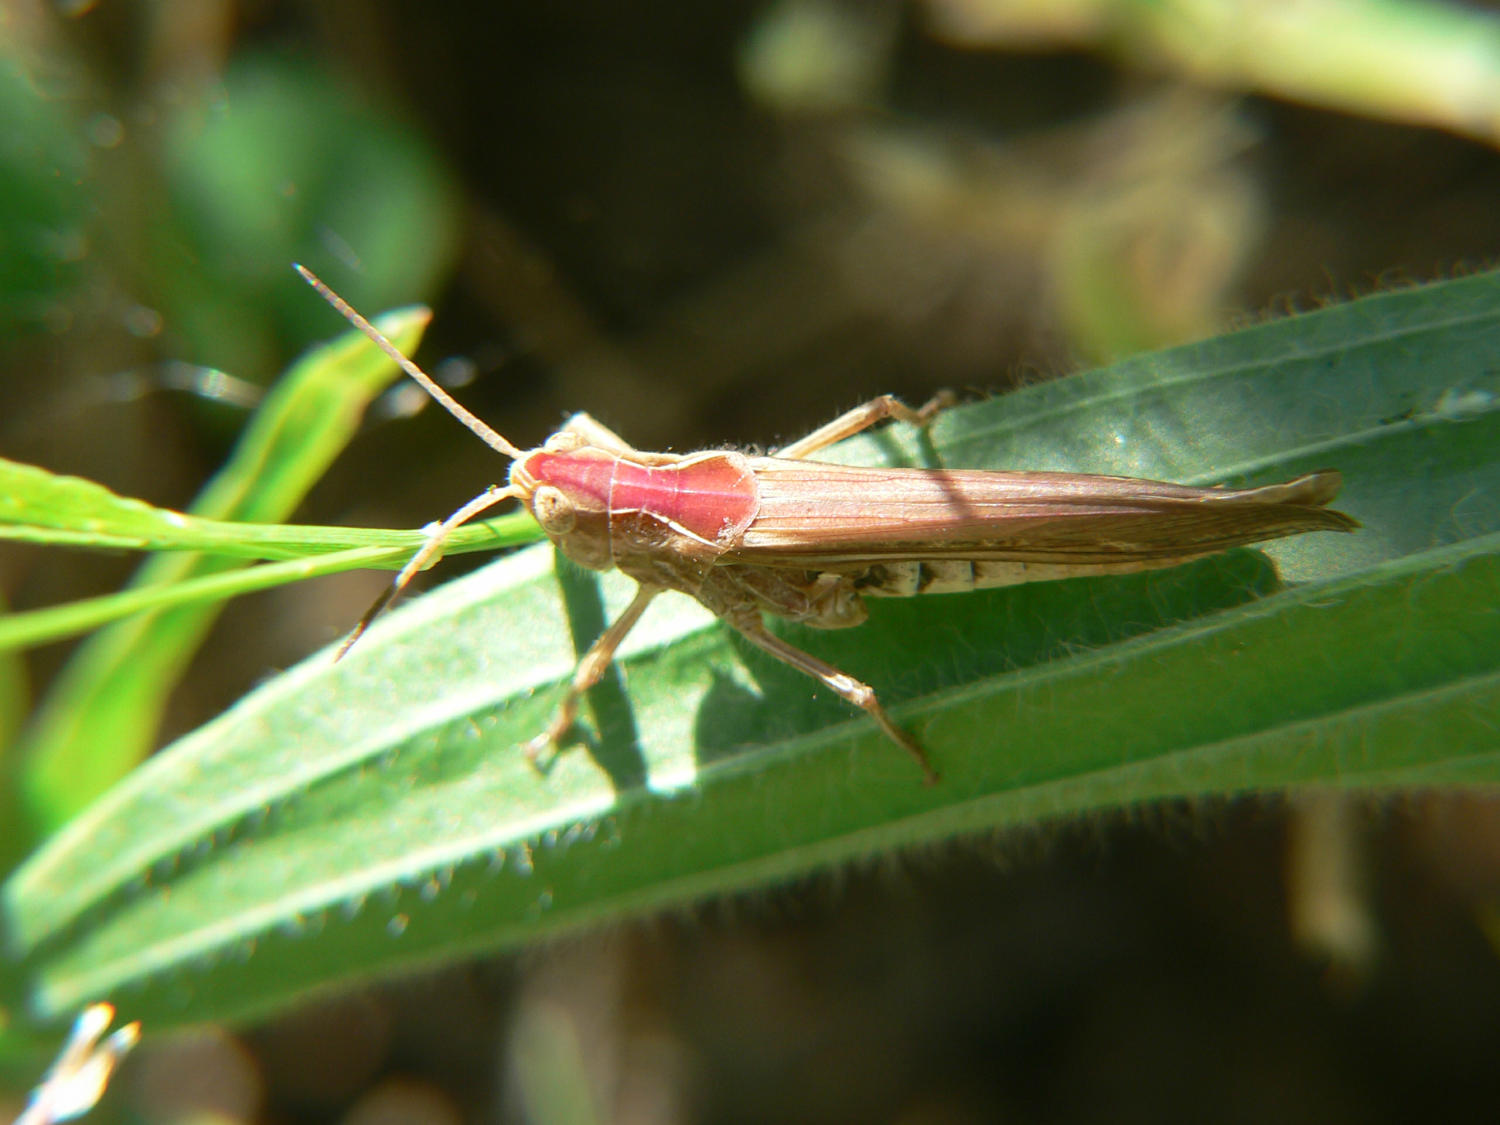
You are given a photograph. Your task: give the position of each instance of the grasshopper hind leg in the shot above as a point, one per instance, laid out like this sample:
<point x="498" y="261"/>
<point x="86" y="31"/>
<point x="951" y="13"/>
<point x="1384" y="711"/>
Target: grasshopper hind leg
<point x="861" y="694"/>
<point x="861" y="418"/>
<point x="593" y="664"/>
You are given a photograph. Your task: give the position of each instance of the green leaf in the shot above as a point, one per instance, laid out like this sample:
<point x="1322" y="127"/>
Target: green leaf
<point x="37" y="506"/>
<point x="375" y="815"/>
<point x="68" y="511"/>
<point x="101" y="716"/>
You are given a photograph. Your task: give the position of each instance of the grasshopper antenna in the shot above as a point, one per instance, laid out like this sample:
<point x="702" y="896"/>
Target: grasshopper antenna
<point x="487" y="499"/>
<point x="424" y="380"/>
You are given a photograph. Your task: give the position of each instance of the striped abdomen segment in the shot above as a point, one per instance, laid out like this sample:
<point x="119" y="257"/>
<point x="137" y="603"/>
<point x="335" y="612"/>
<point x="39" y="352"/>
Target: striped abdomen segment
<point x="909" y="577"/>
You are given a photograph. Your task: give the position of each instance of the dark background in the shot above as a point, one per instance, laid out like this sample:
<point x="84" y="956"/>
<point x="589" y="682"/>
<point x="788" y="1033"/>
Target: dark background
<point x="620" y="207"/>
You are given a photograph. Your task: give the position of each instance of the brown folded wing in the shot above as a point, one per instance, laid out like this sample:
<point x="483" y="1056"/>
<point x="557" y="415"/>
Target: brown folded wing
<point x="818" y="516"/>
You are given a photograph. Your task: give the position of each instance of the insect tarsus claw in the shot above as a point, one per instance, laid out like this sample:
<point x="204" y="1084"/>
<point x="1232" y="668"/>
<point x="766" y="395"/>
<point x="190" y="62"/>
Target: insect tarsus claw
<point x="534" y="748"/>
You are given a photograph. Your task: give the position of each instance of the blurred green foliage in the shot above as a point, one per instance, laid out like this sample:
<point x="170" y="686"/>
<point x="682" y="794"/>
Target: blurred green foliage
<point x="288" y="164"/>
<point x="190" y="223"/>
<point x="45" y="201"/>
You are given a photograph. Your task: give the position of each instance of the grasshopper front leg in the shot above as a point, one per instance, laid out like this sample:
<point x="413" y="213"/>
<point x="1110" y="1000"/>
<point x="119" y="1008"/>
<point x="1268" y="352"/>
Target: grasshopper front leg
<point x="590" y="670"/>
<point x="429" y="552"/>
<point x="597" y="434"/>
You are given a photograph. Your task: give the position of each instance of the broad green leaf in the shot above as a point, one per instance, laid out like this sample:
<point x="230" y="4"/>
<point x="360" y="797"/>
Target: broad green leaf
<point x="375" y="815"/>
<point x="101" y="715"/>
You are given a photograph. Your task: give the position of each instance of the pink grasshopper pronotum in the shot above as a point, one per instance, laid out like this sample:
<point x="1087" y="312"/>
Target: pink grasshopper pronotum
<point x="808" y="541"/>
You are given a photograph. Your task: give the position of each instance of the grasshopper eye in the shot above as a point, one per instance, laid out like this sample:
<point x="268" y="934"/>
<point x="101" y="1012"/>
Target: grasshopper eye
<point x="553" y="510"/>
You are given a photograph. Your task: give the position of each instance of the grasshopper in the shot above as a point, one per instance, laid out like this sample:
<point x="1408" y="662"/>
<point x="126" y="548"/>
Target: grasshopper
<point x="809" y="541"/>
